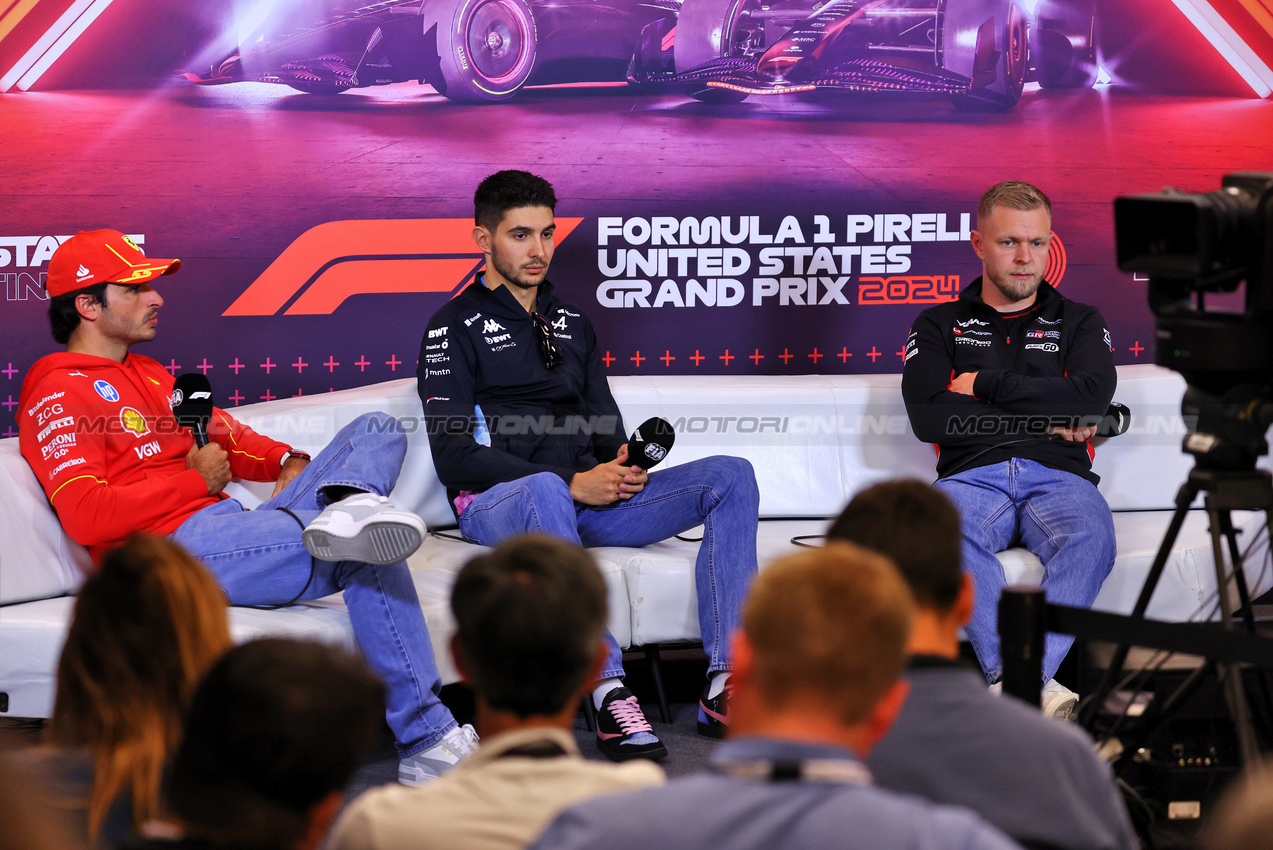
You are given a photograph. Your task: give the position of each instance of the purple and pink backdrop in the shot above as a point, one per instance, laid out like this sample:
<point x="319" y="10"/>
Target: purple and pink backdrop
<point x="317" y="234"/>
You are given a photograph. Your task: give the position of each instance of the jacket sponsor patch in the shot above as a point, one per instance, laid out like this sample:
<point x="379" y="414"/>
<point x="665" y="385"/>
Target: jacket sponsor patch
<point x="57" y="446"/>
<point x="75" y="461"/>
<point x="63" y="422"/>
<point x="1050" y="347"/>
<point x="967" y="340"/>
<point x="39" y="405"/>
<point x="1043" y="335"/>
<point x="106" y="391"/>
<point x="133" y="422"/>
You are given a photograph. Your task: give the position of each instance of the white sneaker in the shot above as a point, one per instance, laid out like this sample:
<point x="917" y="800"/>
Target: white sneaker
<point x="455" y="746"/>
<point x="364" y="527"/>
<point x="1058" y="701"/>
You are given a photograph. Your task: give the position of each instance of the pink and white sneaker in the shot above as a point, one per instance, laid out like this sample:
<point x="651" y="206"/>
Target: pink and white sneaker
<point x="623" y="732"/>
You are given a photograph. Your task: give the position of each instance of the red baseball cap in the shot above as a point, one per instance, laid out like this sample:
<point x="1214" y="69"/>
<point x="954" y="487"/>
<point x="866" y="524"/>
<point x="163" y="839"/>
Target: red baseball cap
<point x="101" y="256"/>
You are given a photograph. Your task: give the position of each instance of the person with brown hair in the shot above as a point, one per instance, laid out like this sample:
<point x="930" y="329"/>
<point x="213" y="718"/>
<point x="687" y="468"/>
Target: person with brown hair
<point x="1041" y="782"/>
<point x="275" y="731"/>
<point x="145" y="628"/>
<point x="816" y="684"/>
<point x="529" y="618"/>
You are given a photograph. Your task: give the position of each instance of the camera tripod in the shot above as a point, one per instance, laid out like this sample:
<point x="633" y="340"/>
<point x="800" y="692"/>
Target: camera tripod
<point x="1226" y="491"/>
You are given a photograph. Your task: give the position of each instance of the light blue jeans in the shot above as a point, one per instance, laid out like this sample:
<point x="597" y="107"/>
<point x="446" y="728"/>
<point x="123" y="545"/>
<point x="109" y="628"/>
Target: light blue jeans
<point x="719" y="493"/>
<point x="259" y="559"/>
<point x="1061" y="517"/>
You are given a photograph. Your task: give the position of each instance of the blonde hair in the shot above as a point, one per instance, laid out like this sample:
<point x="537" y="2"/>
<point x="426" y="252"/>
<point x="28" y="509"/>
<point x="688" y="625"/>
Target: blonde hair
<point x="1015" y="195"/>
<point x="833" y="622"/>
<point x="145" y="628"/>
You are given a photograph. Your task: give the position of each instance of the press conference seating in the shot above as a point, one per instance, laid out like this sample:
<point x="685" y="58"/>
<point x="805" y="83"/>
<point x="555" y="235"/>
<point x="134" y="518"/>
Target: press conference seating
<point x="813" y="440"/>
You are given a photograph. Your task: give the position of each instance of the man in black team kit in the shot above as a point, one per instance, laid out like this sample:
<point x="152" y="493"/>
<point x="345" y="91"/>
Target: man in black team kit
<point x="1006" y="381"/>
<point x="527" y="438"/>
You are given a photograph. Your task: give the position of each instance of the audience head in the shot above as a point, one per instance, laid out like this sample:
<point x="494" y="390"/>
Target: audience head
<point x="509" y="190"/>
<point x="1243" y="817"/>
<point x="145" y="628"/>
<point x="917" y="527"/>
<point x="274" y="733"/>
<point x="529" y="620"/>
<point x="28" y="820"/>
<point x="825" y="628"/>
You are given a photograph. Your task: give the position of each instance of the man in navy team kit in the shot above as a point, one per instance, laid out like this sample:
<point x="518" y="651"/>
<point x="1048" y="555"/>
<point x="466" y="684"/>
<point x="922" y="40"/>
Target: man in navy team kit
<point x="527" y="438"/>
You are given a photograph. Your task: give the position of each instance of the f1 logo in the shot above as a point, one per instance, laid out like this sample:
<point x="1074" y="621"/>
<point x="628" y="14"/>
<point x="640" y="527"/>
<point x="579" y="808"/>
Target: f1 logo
<point x="332" y="262"/>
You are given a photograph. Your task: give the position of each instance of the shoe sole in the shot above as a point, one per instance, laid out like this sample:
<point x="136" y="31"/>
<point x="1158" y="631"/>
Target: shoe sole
<point x="653" y="752"/>
<point x="711" y="730"/>
<point x="375" y="543"/>
<point x="414" y="778"/>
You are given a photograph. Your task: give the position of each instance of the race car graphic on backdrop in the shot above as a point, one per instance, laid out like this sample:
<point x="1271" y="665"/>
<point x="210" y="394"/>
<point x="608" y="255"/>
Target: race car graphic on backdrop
<point x="976" y="52"/>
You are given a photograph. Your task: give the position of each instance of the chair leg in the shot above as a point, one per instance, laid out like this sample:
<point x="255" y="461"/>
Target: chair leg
<point x="656" y="671"/>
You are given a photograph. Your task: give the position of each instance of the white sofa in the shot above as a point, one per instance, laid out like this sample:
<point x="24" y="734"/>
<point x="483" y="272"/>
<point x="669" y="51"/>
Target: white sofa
<point x="814" y="441"/>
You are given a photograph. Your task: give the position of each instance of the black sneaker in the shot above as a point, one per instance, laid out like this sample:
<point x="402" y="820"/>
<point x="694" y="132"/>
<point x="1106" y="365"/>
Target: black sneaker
<point x="623" y="732"/>
<point x="713" y="714"/>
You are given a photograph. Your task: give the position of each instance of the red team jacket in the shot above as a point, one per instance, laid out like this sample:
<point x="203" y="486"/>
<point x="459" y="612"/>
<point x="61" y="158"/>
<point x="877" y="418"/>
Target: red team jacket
<point x="102" y="439"/>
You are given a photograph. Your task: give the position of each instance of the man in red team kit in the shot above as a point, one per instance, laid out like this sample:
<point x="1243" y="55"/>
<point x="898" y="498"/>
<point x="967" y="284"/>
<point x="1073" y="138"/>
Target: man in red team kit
<point x="97" y="427"/>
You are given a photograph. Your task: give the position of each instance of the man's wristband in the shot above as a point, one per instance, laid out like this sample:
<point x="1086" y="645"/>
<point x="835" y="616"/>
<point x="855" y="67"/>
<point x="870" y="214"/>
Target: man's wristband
<point x="291" y="453"/>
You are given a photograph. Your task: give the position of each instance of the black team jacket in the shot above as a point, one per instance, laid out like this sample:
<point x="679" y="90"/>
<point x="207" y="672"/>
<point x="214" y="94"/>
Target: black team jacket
<point x="1047" y="366"/>
<point x="481" y="348"/>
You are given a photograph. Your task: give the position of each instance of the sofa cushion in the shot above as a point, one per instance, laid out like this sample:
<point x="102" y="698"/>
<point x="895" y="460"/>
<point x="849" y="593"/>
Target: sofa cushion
<point x="34" y="634"/>
<point x="38" y="560"/>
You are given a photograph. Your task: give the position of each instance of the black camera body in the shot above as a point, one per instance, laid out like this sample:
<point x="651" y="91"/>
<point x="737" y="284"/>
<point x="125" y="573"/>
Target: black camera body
<point x="1190" y="245"/>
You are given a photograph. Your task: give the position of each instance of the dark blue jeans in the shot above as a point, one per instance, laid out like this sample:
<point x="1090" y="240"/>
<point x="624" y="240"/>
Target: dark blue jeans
<point x="1060" y="517"/>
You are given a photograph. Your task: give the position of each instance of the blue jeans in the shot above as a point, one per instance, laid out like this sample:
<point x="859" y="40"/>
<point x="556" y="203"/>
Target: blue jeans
<point x="718" y="492"/>
<point x="259" y="559"/>
<point x="1061" y="517"/>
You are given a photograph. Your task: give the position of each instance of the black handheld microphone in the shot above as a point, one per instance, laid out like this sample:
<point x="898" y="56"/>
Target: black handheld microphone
<point x="1116" y="422"/>
<point x="650" y="442"/>
<point x="192" y="405"/>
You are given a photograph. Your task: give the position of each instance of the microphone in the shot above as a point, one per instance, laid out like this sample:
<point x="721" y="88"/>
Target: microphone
<point x="650" y="442"/>
<point x="1116" y="421"/>
<point x="192" y="405"/>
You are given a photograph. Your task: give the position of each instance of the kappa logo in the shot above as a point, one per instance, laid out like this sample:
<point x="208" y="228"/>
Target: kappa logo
<point x="105" y="390"/>
<point x="492" y="327"/>
<point x="333" y="262"/>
